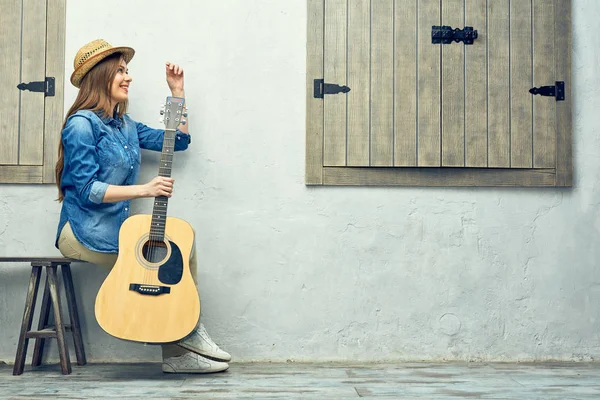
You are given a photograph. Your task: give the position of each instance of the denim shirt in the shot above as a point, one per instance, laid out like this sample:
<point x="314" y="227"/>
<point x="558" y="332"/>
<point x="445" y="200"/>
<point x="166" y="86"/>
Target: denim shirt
<point x="101" y="151"/>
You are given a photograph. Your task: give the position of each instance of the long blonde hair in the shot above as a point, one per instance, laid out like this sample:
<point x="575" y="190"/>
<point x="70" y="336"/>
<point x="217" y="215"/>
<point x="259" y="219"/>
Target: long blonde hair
<point x="94" y="95"/>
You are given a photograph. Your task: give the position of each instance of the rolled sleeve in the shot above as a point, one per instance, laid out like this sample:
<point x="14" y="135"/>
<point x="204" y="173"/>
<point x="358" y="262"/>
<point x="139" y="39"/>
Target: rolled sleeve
<point x="152" y="139"/>
<point x="182" y="140"/>
<point x="98" y="191"/>
<point x="81" y="160"/>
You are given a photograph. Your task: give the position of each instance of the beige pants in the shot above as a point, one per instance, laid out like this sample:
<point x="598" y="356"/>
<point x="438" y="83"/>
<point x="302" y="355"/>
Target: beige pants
<point x="70" y="247"/>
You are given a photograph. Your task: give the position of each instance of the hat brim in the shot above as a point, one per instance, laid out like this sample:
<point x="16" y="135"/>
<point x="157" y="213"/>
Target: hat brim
<point x="84" y="68"/>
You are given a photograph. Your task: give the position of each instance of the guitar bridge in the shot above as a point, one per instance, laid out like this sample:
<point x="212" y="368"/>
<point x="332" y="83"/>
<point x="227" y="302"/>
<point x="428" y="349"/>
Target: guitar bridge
<point x="151" y="290"/>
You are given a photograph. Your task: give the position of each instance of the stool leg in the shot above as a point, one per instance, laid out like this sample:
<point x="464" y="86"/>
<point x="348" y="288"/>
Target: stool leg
<point x="34" y="283"/>
<point x="38" y="350"/>
<point x="74" y="316"/>
<point x="63" y="350"/>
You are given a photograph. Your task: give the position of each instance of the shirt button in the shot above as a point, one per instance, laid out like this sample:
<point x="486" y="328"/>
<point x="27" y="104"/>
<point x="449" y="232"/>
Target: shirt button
<point x="125" y="146"/>
<point x="126" y="209"/>
<point x="132" y="167"/>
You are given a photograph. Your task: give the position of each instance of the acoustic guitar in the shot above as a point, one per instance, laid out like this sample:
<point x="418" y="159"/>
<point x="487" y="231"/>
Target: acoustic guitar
<point x="149" y="296"/>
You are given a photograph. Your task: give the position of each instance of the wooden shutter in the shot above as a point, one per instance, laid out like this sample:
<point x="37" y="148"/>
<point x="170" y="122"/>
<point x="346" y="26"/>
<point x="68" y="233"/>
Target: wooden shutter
<point x="420" y="113"/>
<point x="32" y="48"/>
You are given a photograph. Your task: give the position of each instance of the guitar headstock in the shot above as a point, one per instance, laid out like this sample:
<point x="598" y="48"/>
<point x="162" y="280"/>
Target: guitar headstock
<point x="173" y="113"/>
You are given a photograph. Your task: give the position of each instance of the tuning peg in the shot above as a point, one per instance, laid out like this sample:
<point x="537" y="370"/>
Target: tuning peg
<point x="185" y="114"/>
<point x="183" y="122"/>
<point x="162" y="112"/>
<point x="161" y="120"/>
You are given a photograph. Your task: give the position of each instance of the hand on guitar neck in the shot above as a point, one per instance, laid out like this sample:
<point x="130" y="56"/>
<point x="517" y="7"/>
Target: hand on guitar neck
<point x="159" y="186"/>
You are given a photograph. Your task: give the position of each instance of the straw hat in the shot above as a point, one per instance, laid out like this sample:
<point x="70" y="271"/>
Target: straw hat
<point x="91" y="54"/>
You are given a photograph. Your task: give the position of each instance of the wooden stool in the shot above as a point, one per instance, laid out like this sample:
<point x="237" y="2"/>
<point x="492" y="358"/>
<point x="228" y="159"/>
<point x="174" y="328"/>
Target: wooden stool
<point x="51" y="298"/>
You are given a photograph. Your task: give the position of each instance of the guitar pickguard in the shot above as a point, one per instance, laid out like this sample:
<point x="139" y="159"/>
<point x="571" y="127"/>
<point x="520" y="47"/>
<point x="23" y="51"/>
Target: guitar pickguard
<point x="171" y="272"/>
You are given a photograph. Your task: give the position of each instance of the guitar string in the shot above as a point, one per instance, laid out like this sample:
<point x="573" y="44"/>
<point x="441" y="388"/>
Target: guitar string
<point x="153" y="248"/>
<point x="169" y="141"/>
<point x="159" y="226"/>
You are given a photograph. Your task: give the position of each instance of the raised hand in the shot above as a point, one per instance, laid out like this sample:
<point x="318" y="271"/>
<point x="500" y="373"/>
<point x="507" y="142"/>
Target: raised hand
<point x="175" y="79"/>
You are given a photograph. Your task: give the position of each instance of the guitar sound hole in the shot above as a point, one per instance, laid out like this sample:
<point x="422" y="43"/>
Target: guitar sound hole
<point x="154" y="251"/>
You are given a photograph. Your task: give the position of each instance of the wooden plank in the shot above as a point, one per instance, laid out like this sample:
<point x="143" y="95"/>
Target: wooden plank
<point x="476" y="137"/>
<point x="55" y="66"/>
<point x="382" y="83"/>
<point x="544" y="108"/>
<point x="405" y="83"/>
<point x="498" y="84"/>
<point x="453" y="89"/>
<point x="20" y="174"/>
<point x="314" y="107"/>
<point x="359" y="59"/>
<point x="10" y="75"/>
<point x="564" y="117"/>
<point x="448" y="379"/>
<point x="33" y="61"/>
<point x="335" y="105"/>
<point x="521" y="80"/>
<point x="441" y="177"/>
<point x="429" y="88"/>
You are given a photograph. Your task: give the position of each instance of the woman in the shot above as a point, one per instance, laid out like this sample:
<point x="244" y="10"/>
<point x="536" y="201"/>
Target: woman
<point x="96" y="174"/>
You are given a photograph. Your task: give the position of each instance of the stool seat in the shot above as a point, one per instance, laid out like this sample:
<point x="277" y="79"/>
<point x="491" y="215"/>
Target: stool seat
<point x="40" y="260"/>
<point x="51" y="300"/>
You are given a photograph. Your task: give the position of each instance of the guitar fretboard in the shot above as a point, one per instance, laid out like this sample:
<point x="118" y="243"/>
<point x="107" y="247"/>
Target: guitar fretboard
<point x="159" y="212"/>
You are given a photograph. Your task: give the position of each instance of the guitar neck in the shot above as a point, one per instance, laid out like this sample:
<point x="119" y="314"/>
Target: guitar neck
<point x="166" y="158"/>
<point x="159" y="212"/>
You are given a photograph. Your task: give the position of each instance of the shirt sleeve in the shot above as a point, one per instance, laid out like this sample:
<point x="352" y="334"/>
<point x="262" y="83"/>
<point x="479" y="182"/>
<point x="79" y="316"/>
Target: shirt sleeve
<point x="152" y="139"/>
<point x="81" y="160"/>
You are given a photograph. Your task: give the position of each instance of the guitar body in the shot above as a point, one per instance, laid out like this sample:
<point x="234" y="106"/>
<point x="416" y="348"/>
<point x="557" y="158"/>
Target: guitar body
<point x="150" y="296"/>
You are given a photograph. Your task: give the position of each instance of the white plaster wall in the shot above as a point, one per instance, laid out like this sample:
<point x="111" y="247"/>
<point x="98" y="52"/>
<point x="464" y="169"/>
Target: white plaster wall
<point x="289" y="272"/>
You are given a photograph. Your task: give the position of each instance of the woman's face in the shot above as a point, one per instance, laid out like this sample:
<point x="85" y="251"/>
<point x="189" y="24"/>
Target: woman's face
<point x="119" y="91"/>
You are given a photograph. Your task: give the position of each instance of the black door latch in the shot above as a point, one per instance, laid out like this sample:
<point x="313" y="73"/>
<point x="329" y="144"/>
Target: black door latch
<point x="322" y="88"/>
<point x="446" y="35"/>
<point x="46" y="87"/>
<point x="557" y="91"/>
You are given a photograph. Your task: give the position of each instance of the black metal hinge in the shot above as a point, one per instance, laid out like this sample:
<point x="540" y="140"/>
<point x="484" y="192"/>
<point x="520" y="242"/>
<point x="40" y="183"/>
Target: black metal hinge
<point x="46" y="87"/>
<point x="446" y="35"/>
<point x="322" y="88"/>
<point x="557" y="91"/>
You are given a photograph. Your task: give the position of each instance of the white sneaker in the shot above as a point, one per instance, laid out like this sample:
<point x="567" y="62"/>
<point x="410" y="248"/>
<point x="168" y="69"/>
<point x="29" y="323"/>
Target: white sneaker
<point x="200" y="343"/>
<point x="191" y="363"/>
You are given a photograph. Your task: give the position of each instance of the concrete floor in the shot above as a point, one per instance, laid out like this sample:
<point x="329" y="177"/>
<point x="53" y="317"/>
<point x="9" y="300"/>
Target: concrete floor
<point x="432" y="381"/>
